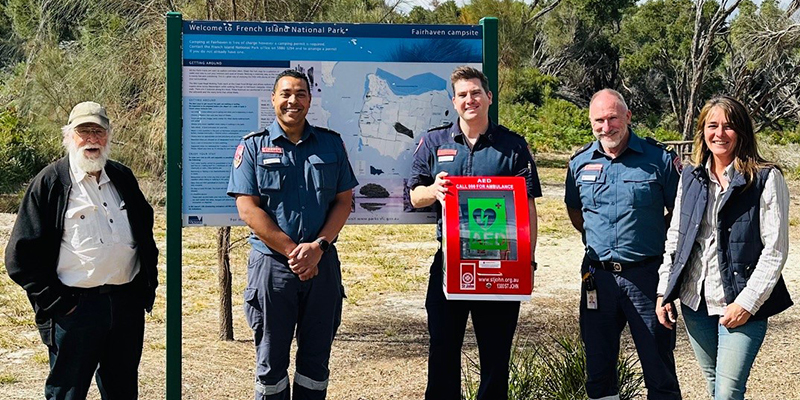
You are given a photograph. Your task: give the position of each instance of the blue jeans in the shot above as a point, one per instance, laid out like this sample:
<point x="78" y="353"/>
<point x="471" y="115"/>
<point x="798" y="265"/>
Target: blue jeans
<point x="725" y="355"/>
<point x="101" y="338"/>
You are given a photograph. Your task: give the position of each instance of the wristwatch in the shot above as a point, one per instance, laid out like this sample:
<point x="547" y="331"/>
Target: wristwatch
<point x="323" y="244"/>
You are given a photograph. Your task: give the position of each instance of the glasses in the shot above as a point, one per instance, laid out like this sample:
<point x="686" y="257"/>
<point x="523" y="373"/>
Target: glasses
<point x="85" y="133"/>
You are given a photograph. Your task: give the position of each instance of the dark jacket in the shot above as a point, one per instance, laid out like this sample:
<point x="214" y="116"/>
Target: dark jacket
<point x="738" y="232"/>
<point x="33" y="249"/>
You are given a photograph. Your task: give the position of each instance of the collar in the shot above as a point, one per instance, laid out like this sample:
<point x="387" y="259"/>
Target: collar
<point x="275" y="131"/>
<point x="727" y="173"/>
<point x="80" y="174"/>
<point x="490" y="134"/>
<point x="634" y="144"/>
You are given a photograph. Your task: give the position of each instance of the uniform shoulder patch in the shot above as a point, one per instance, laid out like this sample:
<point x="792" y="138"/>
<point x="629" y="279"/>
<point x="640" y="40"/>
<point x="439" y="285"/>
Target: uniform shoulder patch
<point x="440" y="127"/>
<point x="326" y="130"/>
<point x="253" y="134"/>
<point x="581" y="150"/>
<point x="237" y="157"/>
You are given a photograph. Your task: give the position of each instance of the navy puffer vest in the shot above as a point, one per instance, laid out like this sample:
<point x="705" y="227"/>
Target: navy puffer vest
<point x="738" y="236"/>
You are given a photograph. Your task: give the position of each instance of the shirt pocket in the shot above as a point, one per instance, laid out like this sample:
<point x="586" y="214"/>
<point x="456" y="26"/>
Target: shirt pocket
<point x="591" y="185"/>
<point x="642" y="187"/>
<point x="80" y="226"/>
<point x="271" y="173"/>
<point x="323" y="171"/>
<point x="122" y="226"/>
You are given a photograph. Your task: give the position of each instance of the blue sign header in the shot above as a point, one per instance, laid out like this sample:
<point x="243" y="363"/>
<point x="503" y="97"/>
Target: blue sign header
<point x="334" y="30"/>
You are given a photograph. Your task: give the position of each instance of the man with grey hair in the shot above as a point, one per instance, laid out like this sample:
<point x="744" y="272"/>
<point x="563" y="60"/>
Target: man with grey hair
<point x="620" y="191"/>
<point x="82" y="248"/>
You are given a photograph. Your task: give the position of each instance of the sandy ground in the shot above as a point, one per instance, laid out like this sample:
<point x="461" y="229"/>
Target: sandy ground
<point x="381" y="348"/>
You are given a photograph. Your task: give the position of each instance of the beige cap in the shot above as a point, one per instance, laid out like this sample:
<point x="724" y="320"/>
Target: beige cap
<point x="86" y="112"/>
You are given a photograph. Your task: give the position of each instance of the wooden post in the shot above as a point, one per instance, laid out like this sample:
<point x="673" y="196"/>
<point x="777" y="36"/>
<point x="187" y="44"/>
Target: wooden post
<point x="224" y="279"/>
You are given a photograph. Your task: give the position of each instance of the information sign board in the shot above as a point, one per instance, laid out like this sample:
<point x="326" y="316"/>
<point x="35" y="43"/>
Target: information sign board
<point x="380" y="86"/>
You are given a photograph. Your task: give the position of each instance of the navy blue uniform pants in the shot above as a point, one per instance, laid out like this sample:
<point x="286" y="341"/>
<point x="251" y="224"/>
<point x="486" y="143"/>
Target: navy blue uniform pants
<point x="276" y="302"/>
<point x="494" y="323"/>
<point x="627" y="297"/>
<point x="103" y="338"/>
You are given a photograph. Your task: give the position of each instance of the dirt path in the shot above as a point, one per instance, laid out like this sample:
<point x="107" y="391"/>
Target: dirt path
<point x="381" y="348"/>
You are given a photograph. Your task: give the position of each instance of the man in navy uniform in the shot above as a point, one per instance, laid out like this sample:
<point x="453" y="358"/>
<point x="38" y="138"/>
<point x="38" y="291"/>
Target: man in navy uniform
<point x="475" y="146"/>
<point x="292" y="183"/>
<point x="620" y="191"/>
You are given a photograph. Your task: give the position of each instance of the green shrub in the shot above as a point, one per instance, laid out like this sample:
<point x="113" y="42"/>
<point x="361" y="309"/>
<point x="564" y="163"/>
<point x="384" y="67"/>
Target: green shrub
<point x="554" y="372"/>
<point x="658" y="133"/>
<point x="525" y="85"/>
<point x="21" y="155"/>
<point x="557" y="125"/>
<point x="790" y="134"/>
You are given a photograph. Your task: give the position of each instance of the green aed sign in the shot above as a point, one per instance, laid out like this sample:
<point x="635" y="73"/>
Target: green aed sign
<point x="488" y="225"/>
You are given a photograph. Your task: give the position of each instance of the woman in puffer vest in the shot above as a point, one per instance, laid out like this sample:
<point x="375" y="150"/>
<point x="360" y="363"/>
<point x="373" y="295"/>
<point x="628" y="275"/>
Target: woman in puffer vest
<point x="728" y="244"/>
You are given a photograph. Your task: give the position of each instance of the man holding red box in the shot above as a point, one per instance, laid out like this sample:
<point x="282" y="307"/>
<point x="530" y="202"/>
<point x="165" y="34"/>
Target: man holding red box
<point x="474" y="146"/>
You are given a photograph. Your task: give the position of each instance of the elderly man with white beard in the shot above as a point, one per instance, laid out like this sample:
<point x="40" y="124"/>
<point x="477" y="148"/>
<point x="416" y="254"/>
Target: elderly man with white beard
<point x="82" y="248"/>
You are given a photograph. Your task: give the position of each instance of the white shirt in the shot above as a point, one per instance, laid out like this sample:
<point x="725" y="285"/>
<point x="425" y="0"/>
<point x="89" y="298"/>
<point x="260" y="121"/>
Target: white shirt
<point x="97" y="247"/>
<point x="703" y="268"/>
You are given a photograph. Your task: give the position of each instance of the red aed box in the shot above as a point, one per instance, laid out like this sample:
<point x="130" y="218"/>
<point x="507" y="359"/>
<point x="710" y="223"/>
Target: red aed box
<point x="486" y="239"/>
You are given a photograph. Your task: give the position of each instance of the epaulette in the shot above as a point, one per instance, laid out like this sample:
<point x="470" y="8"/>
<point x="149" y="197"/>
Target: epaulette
<point x="326" y="130"/>
<point x="254" y="133"/>
<point x="445" y="126"/>
<point x="654" y="142"/>
<point x="509" y="131"/>
<point x="581" y="150"/>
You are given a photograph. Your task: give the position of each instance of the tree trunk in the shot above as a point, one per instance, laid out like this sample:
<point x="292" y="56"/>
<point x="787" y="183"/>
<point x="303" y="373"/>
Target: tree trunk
<point x="702" y="42"/>
<point x="224" y="279"/>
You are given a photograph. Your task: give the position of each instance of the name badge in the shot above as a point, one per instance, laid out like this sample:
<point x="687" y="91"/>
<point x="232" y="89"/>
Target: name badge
<point x="446" y="158"/>
<point x="272" y="160"/>
<point x="591" y="299"/>
<point x="593" y="167"/>
<point x="272" y="150"/>
<point x="588" y="178"/>
<point x="446" y="152"/>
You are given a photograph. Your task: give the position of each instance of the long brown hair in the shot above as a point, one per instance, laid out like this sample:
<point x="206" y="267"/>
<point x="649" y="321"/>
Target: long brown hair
<point x="747" y="160"/>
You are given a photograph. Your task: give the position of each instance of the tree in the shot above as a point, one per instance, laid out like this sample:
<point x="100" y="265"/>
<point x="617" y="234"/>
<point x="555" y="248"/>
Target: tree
<point x="655" y="42"/>
<point x="763" y="64"/>
<point x="704" y="41"/>
<point x="575" y="44"/>
<point x="678" y="42"/>
<point x="515" y="34"/>
<point x="447" y="12"/>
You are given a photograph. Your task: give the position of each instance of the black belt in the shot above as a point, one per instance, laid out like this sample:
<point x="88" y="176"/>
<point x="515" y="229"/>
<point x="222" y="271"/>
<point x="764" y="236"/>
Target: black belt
<point x="613" y="266"/>
<point x="104" y="289"/>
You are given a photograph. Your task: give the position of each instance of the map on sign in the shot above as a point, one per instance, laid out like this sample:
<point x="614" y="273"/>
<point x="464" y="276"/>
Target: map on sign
<point x="395" y="110"/>
<point x="381" y="87"/>
<point x="388" y="108"/>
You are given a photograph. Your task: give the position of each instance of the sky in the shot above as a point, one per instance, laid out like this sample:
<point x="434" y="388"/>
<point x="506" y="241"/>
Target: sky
<point x="409" y="4"/>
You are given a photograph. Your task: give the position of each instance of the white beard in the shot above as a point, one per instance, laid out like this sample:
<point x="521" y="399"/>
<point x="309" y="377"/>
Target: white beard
<point x="89" y="164"/>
